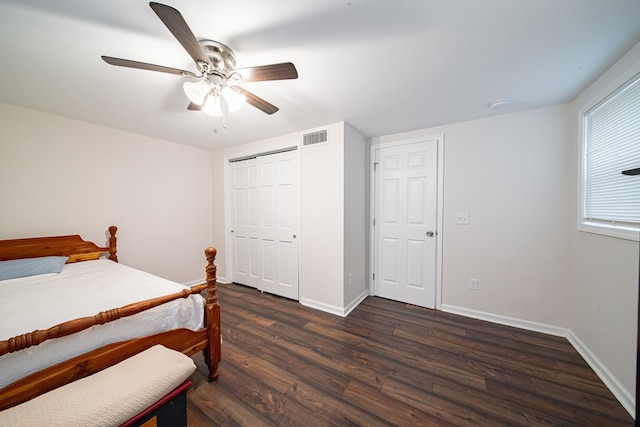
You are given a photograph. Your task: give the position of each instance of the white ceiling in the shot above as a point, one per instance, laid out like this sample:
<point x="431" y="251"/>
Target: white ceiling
<point x="384" y="66"/>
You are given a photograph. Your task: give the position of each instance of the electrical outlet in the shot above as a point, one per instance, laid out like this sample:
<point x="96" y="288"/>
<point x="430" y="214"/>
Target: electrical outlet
<point x="462" y="218"/>
<point x="473" y="284"/>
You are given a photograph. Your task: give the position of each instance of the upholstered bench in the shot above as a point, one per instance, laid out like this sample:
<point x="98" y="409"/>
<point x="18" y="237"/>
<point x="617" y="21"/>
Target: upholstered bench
<point x="111" y="397"/>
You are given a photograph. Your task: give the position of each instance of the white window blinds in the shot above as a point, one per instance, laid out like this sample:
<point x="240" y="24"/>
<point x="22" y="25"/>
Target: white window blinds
<point x="612" y="144"/>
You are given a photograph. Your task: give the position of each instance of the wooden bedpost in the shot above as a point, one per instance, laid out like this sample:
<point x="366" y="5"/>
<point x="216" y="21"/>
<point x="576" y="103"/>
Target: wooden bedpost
<point x="112" y="243"/>
<point x="212" y="354"/>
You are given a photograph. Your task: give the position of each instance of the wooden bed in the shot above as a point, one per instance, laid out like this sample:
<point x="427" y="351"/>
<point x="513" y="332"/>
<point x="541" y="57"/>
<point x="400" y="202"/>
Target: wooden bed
<point x="186" y="341"/>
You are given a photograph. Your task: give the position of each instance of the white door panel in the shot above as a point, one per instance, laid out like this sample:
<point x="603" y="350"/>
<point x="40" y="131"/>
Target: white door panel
<point x="267" y="216"/>
<point x="405" y="211"/>
<point x="241" y="225"/>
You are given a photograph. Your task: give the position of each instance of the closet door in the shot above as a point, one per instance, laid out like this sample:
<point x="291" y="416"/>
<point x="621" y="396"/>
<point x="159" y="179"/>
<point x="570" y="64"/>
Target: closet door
<point x="265" y="222"/>
<point x="245" y="226"/>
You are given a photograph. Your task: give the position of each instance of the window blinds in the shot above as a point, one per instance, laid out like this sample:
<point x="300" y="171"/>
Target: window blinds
<point x="612" y="144"/>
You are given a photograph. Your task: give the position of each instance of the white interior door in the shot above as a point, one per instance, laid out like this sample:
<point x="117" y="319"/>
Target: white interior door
<point x="406" y="195"/>
<point x="265" y="205"/>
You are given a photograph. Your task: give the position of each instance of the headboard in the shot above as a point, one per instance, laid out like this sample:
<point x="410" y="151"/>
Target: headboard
<point x="72" y="246"/>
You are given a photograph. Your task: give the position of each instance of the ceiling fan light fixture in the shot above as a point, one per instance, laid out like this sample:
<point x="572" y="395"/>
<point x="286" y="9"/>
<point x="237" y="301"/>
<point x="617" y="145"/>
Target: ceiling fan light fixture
<point x="234" y="99"/>
<point x="197" y="91"/>
<point x="213" y="105"/>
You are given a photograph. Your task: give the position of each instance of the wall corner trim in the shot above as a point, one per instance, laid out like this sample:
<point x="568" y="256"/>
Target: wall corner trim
<point x="619" y="391"/>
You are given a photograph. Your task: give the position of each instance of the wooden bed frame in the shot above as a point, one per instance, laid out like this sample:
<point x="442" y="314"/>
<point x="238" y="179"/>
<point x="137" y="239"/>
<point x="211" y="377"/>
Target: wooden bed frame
<point x="186" y="341"/>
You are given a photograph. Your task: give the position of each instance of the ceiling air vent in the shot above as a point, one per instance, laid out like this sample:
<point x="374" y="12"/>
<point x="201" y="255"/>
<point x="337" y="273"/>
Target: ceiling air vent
<point x="314" y="138"/>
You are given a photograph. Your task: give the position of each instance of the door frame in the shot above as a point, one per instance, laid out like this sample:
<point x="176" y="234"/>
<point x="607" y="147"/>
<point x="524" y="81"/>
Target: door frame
<point x="230" y="258"/>
<point x="439" y="138"/>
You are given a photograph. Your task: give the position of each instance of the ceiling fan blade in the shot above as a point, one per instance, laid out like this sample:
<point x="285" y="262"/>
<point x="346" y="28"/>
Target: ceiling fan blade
<point x="144" y="66"/>
<point x="193" y="107"/>
<point x="256" y="101"/>
<point x="283" y="71"/>
<point x="174" y="21"/>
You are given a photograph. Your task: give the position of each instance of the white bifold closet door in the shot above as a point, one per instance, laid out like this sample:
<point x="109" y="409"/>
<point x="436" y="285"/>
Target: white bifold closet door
<point x="265" y="204"/>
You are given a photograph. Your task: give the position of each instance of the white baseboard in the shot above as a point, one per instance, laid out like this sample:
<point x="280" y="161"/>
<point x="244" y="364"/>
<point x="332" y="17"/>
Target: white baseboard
<point x="332" y="309"/>
<point x="195" y="282"/>
<point x="349" y="308"/>
<point x="322" y="306"/>
<point x="617" y="389"/>
<point x="508" y="321"/>
<point x="202" y="281"/>
<point x="623" y="395"/>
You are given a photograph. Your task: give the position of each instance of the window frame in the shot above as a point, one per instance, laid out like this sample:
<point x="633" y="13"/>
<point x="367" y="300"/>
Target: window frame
<point x="584" y="224"/>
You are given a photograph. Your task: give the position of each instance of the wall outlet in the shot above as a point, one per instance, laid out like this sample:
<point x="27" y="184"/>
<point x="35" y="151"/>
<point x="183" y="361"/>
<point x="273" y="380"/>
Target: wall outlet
<point x="462" y="218"/>
<point x="473" y="284"/>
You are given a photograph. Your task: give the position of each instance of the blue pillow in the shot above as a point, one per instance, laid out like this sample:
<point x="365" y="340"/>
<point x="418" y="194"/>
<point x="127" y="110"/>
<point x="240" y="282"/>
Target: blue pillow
<point x="31" y="266"/>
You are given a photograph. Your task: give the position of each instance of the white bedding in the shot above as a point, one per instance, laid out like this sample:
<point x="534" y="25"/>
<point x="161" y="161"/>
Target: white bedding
<point x="85" y="289"/>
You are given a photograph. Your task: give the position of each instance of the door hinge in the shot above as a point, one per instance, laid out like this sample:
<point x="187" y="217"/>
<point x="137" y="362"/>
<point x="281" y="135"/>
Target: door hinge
<point x="375" y="166"/>
<point x="374" y="222"/>
<point x="374" y="277"/>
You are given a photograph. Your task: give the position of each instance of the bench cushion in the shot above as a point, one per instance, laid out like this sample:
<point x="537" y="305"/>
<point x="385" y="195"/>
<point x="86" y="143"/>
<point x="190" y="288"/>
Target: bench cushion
<point x="109" y="397"/>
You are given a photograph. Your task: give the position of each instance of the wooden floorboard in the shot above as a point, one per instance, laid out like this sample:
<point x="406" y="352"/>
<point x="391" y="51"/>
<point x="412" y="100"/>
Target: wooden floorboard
<point x="389" y="363"/>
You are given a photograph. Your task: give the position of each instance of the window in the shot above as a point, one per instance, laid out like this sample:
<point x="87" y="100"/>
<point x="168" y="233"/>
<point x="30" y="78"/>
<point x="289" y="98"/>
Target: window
<point x="611" y="144"/>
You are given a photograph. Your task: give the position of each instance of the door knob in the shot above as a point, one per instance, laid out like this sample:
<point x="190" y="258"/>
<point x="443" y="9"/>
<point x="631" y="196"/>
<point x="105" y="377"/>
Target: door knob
<point x="430" y="233"/>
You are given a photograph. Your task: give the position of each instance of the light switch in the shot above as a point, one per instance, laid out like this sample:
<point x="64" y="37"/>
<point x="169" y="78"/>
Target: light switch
<point x="462" y="218"/>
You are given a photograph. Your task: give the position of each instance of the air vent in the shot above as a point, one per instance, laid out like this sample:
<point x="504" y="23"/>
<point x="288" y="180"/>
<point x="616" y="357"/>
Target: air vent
<point x="314" y="138"/>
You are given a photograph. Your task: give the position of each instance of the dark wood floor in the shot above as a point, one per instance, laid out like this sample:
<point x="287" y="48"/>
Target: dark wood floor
<point x="390" y="363"/>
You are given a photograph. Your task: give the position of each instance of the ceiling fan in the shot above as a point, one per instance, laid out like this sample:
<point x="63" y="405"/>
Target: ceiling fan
<point x="215" y="88"/>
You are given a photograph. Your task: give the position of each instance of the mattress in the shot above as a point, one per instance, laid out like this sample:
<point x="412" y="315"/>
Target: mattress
<point x="85" y="289"/>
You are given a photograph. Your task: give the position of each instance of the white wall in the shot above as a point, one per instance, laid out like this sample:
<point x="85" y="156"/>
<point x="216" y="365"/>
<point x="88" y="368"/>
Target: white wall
<point x="62" y="176"/>
<point x="322" y="244"/>
<point x="604" y="270"/>
<point x="510" y="173"/>
<point x="356" y="225"/>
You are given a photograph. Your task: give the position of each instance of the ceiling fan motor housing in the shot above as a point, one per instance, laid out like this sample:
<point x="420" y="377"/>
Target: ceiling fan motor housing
<point x="221" y="56"/>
